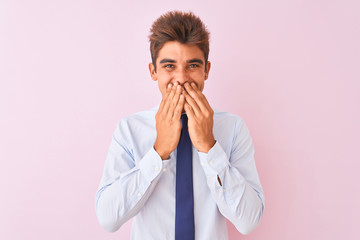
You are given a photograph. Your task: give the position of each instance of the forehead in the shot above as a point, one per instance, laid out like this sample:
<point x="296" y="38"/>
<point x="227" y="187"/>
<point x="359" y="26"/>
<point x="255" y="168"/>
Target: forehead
<point x="180" y="52"/>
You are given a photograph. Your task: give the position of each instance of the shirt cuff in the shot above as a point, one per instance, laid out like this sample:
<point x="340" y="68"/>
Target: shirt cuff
<point x="215" y="161"/>
<point x="151" y="165"/>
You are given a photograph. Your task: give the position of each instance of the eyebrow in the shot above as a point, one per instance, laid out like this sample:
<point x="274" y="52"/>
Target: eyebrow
<point x="166" y="60"/>
<point x="195" y="60"/>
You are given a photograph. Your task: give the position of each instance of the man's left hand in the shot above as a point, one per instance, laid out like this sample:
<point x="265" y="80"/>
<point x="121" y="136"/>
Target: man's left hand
<point x="201" y="118"/>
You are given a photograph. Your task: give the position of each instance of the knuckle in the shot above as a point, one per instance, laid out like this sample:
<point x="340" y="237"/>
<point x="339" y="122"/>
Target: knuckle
<point x="208" y="113"/>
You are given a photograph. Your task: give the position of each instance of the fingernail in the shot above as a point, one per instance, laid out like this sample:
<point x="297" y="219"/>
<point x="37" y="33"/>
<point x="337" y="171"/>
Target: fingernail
<point x="175" y="84"/>
<point x="169" y="85"/>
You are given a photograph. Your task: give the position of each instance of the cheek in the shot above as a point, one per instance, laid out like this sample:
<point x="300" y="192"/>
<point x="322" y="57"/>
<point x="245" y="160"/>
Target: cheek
<point x="165" y="79"/>
<point x="162" y="84"/>
<point x="162" y="88"/>
<point x="199" y="79"/>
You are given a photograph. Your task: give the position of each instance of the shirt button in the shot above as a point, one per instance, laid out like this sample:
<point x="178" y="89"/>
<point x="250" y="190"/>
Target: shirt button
<point x="224" y="189"/>
<point x="211" y="162"/>
<point x="202" y="163"/>
<point x="156" y="168"/>
<point x="139" y="194"/>
<point x="164" y="169"/>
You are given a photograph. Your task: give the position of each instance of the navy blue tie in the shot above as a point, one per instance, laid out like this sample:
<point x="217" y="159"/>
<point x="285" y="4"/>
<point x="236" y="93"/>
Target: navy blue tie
<point x="184" y="216"/>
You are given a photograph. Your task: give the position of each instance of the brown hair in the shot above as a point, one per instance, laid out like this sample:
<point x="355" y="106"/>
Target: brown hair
<point x="178" y="26"/>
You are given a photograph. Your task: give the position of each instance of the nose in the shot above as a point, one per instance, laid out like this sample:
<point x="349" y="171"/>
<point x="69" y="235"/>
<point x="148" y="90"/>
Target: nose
<point x="181" y="76"/>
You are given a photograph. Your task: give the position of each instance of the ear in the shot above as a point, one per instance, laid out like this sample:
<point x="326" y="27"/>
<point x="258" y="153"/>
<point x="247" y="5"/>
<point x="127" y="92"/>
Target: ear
<point x="152" y="72"/>
<point x="208" y="66"/>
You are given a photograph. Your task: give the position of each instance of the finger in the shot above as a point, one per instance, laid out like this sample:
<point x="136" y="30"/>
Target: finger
<point x="206" y="102"/>
<point x="174" y="101"/>
<point x="162" y="103"/>
<point x="169" y="99"/>
<point x="196" y="95"/>
<point x="203" y="102"/>
<point x="179" y="108"/>
<point x="192" y="103"/>
<point x="189" y="111"/>
<point x="202" y="96"/>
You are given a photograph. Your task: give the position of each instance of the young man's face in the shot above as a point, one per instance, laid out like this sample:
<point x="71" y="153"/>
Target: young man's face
<point x="177" y="62"/>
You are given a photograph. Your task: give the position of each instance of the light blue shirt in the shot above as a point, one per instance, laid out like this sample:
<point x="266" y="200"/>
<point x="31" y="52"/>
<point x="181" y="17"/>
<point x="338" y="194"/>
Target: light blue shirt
<point x="137" y="183"/>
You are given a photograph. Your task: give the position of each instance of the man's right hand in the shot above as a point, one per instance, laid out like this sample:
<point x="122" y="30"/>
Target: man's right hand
<point x="168" y="126"/>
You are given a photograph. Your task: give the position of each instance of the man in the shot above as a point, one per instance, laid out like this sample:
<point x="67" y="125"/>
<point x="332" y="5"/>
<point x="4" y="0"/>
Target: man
<point x="145" y="174"/>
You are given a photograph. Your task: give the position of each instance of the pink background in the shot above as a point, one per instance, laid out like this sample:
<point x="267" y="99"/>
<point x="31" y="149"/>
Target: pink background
<point x="69" y="70"/>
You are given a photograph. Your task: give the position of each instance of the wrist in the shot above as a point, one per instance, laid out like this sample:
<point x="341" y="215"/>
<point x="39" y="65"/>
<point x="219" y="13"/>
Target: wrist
<point x="163" y="154"/>
<point x="206" y="148"/>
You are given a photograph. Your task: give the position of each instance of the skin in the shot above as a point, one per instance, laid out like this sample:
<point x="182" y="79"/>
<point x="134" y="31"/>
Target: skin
<point x="181" y="74"/>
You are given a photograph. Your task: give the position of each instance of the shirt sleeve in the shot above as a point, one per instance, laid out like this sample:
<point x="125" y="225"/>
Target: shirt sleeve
<point x="233" y="180"/>
<point x="126" y="184"/>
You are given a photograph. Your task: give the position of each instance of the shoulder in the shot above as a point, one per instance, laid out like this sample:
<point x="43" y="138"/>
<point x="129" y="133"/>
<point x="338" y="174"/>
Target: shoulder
<point x="223" y="117"/>
<point x="141" y="116"/>
<point x="230" y="129"/>
<point x="137" y="120"/>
